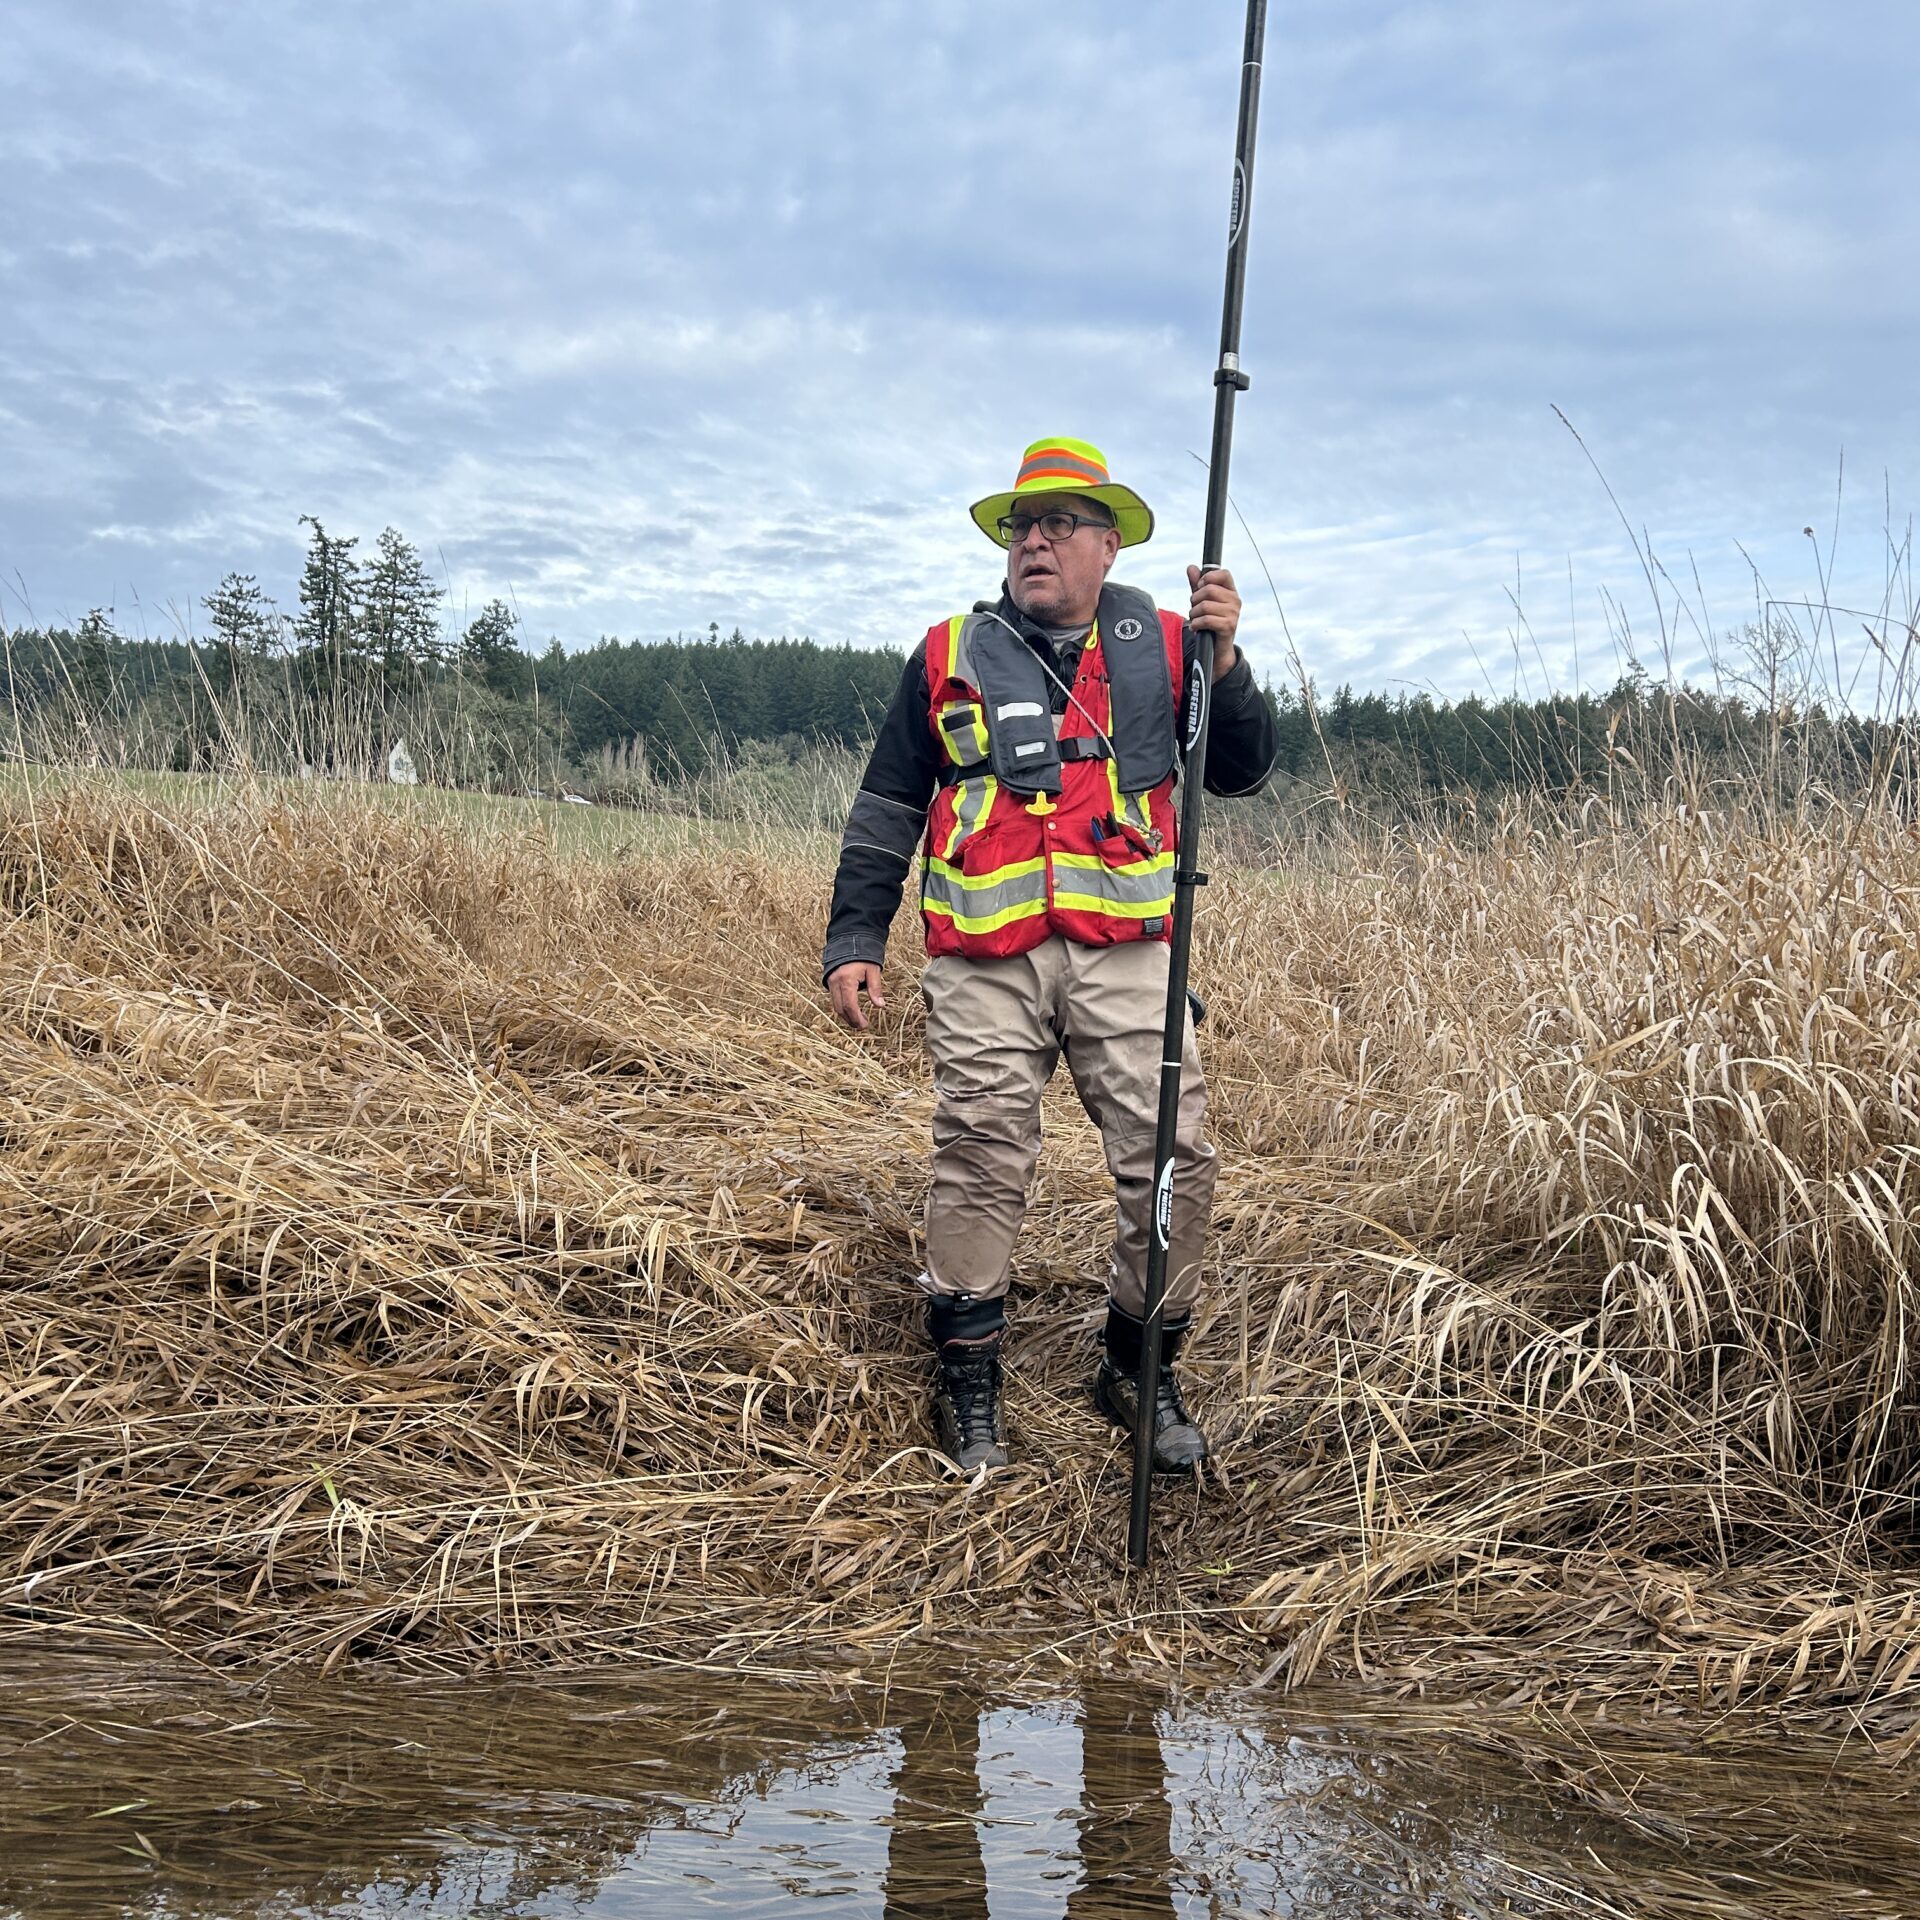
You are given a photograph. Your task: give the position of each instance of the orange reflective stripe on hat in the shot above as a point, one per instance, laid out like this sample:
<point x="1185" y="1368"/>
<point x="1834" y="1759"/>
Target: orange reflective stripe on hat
<point x="1061" y="464"/>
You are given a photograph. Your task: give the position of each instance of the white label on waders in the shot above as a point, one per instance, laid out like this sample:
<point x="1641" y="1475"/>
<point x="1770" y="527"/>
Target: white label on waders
<point x="1163" y="1206"/>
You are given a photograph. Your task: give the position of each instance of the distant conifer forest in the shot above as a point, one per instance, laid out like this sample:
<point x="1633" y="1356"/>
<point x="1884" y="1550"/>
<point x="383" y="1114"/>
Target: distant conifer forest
<point x="368" y="656"/>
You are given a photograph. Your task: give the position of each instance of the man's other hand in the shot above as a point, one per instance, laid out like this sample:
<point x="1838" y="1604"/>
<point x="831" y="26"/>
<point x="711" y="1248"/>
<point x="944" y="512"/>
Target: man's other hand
<point x="1216" y="607"/>
<point x="844" y="987"/>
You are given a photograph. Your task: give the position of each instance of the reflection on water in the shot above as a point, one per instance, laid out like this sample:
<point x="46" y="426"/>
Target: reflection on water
<point x="999" y="1812"/>
<point x="1026" y="1811"/>
<point x="944" y="1796"/>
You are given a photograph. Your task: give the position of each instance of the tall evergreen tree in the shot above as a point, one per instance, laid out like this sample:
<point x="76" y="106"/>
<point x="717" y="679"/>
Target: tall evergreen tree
<point x="399" y="610"/>
<point x="91" y="658"/>
<point x="97" y="629"/>
<point x="490" y="653"/>
<point x="243" y="618"/>
<point x="328" y="587"/>
<point x="245" y="623"/>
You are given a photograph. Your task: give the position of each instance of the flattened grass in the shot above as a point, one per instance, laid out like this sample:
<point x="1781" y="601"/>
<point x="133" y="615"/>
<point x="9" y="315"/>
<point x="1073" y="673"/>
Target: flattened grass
<point x="433" y="1245"/>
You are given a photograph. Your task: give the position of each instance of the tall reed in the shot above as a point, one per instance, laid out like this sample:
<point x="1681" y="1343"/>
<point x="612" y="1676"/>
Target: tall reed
<point x="417" y="1242"/>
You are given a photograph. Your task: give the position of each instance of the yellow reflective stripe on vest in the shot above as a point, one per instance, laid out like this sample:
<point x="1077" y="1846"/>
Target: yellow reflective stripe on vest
<point x="972" y="802"/>
<point x="980" y="902"/>
<point x="963" y="732"/>
<point x="1135" y="809"/>
<point x="942" y="669"/>
<point x="1084" y="883"/>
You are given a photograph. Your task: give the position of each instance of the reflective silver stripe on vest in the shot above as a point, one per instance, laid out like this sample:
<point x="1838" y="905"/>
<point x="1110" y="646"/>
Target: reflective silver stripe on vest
<point x="972" y="800"/>
<point x="960" y="667"/>
<point x="1084" y="883"/>
<point x="979" y="903"/>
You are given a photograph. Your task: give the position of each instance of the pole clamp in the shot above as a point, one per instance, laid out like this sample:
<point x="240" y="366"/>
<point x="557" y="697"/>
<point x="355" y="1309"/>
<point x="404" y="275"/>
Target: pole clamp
<point x="1194" y="879"/>
<point x="1232" y="377"/>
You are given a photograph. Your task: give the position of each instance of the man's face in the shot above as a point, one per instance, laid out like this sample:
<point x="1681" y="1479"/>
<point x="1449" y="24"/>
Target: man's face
<point x="1058" y="583"/>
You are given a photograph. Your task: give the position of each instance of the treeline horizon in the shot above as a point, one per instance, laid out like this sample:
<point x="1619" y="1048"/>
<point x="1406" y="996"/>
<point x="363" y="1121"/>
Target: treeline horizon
<point x="368" y="657"/>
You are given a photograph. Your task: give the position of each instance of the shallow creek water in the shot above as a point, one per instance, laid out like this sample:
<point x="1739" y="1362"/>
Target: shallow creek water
<point x="129" y="1789"/>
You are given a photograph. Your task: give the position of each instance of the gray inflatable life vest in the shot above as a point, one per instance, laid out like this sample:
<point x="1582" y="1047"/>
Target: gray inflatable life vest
<point x="1015" y="696"/>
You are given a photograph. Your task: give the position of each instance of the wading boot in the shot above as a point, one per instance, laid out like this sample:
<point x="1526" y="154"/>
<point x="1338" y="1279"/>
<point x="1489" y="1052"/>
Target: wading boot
<point x="966" y="1336"/>
<point x="1178" y="1444"/>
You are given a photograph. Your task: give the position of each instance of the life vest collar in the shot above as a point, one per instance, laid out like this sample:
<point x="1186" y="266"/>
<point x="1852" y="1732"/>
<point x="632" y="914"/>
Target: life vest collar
<point x="994" y="657"/>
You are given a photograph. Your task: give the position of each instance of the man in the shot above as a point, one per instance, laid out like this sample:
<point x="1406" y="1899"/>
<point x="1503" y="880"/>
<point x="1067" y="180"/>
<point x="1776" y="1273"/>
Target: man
<point x="1031" y="754"/>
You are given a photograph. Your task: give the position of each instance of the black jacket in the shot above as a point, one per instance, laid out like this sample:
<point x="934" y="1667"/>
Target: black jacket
<point x="890" y="811"/>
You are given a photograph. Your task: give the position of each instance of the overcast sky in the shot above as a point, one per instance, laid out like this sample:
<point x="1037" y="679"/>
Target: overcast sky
<point x="647" y="316"/>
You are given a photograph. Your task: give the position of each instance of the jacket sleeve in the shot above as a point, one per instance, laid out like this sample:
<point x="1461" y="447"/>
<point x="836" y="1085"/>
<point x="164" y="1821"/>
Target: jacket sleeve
<point x="884" y="827"/>
<point x="1242" y="740"/>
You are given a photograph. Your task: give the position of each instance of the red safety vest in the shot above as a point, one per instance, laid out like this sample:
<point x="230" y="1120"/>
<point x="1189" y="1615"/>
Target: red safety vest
<point x="1002" y="870"/>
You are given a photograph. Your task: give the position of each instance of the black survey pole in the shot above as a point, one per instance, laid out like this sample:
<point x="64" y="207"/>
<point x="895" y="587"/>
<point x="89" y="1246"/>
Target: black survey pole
<point x="1228" y="381"/>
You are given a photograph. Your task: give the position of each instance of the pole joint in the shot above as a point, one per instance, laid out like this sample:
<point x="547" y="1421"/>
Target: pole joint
<point x="1232" y="377"/>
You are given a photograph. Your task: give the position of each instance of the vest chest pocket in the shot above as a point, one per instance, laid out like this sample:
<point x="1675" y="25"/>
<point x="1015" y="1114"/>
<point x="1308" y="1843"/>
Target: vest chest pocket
<point x="1117" y="852"/>
<point x="1124" y="842"/>
<point x="972" y="803"/>
<point x="963" y="732"/>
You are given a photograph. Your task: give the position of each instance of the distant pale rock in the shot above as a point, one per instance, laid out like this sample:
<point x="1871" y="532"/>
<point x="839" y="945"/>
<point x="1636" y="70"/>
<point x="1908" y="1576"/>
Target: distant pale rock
<point x="576" y="799"/>
<point x="400" y="768"/>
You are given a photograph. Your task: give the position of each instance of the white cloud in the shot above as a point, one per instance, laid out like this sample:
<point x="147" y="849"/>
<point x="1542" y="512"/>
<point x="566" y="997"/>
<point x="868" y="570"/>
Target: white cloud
<point x="656" y="316"/>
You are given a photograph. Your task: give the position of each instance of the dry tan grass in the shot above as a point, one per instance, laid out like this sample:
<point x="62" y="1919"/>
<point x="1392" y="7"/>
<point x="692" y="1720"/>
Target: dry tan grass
<point x="413" y="1244"/>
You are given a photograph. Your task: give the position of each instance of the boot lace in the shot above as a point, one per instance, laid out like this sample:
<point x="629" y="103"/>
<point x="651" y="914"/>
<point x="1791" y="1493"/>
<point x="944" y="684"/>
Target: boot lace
<point x="973" y="1387"/>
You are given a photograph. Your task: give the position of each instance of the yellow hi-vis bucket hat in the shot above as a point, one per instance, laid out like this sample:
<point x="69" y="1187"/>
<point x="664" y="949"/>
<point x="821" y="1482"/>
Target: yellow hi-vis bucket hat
<point x="1060" y="465"/>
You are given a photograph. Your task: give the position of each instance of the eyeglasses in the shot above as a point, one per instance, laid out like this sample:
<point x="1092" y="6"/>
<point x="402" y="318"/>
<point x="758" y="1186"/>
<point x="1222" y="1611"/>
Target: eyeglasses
<point x="1054" y="527"/>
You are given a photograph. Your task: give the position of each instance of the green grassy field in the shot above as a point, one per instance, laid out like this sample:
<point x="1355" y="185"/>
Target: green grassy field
<point x="596" y="832"/>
